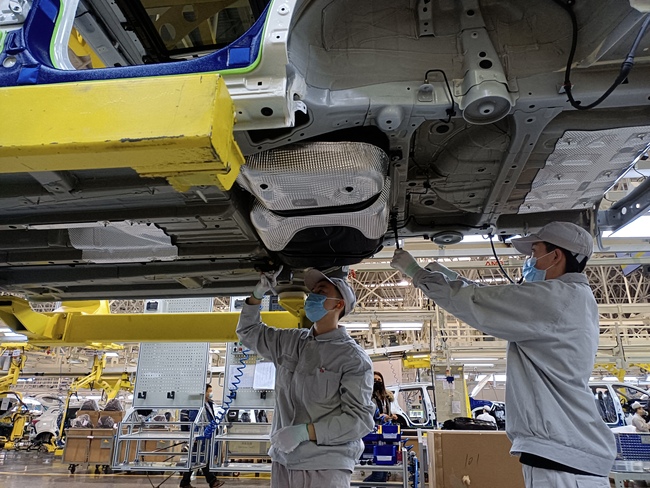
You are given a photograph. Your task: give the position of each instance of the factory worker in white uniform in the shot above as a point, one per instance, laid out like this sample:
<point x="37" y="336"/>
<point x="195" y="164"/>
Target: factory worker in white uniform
<point x="323" y="386"/>
<point x="551" y="324"/>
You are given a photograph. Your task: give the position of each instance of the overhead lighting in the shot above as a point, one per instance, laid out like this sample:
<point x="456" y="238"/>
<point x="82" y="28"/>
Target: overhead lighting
<point x="356" y="325"/>
<point x="111" y="355"/>
<point x="5" y="329"/>
<point x="474" y="359"/>
<point x="15" y="337"/>
<point x="400" y="326"/>
<point x="484" y="365"/>
<point x="610" y="378"/>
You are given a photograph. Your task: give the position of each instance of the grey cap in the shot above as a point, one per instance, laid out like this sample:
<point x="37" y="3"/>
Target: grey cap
<point x="313" y="277"/>
<point x="562" y="234"/>
<point x="636" y="406"/>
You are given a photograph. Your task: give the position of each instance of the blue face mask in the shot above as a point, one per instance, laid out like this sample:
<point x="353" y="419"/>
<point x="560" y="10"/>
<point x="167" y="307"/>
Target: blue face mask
<point x="531" y="273"/>
<point x="315" y="306"/>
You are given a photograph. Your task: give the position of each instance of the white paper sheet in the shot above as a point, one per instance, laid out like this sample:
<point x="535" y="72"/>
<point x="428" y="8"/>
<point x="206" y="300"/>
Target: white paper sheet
<point x="264" y="376"/>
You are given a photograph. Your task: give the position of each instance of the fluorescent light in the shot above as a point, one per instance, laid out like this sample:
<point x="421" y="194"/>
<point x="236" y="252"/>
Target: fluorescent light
<point x="474" y="359"/>
<point x="610" y="378"/>
<point x="16" y="337"/>
<point x="630" y="379"/>
<point x="356" y="325"/>
<point x="500" y="377"/>
<point x="485" y="365"/>
<point x="400" y="326"/>
<point x="5" y="329"/>
<point x="111" y="355"/>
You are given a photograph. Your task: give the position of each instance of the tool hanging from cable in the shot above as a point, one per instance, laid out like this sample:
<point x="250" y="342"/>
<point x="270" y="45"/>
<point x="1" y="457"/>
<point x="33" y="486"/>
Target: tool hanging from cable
<point x="393" y="223"/>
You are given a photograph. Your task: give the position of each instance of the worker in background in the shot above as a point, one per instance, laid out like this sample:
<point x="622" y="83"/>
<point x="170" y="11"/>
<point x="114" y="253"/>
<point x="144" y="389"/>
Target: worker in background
<point x="638" y="420"/>
<point x="382" y="399"/>
<point x="486" y="415"/>
<point x="323" y="386"/>
<point x="551" y="324"/>
<point x="190" y="416"/>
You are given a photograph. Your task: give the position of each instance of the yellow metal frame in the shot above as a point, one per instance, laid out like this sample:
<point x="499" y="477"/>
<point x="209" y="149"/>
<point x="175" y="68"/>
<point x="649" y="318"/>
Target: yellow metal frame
<point x="81" y="48"/>
<point x="19" y="420"/>
<point x="89" y="323"/>
<point x="175" y="127"/>
<point x="11" y="378"/>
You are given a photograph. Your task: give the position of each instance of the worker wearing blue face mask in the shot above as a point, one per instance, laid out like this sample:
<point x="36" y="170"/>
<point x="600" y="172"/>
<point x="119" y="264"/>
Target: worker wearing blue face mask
<point x="323" y="386"/>
<point x="551" y="324"/>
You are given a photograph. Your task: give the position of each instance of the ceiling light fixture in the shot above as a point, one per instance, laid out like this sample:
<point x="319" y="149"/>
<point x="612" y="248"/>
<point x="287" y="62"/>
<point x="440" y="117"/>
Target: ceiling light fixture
<point x="395" y="326"/>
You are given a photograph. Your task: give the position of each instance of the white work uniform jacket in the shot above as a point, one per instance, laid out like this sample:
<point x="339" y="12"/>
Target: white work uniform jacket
<point x="639" y="422"/>
<point x="325" y="380"/>
<point x="552" y="331"/>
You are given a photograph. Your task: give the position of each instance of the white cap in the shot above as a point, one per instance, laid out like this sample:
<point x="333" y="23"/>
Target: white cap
<point x="486" y="408"/>
<point x="313" y="277"/>
<point x="636" y="405"/>
<point x="562" y="234"/>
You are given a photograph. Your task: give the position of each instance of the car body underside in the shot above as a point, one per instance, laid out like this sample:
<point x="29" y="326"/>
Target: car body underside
<point x="434" y="119"/>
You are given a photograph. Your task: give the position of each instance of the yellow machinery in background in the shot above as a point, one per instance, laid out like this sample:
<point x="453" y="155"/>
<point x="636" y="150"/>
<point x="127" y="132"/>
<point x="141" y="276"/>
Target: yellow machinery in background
<point x="94" y="380"/>
<point x="14" y="413"/>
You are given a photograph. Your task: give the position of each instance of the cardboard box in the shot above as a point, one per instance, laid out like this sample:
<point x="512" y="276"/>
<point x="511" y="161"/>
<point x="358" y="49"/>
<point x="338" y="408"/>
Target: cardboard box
<point x="480" y="459"/>
<point x="101" y="446"/>
<point x="77" y="445"/>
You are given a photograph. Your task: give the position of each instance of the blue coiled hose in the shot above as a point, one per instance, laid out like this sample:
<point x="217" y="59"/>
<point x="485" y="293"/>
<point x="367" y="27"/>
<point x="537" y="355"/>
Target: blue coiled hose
<point x="218" y="417"/>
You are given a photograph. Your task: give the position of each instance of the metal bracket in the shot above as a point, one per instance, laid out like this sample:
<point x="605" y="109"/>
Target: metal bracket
<point x="626" y="209"/>
<point x="425" y="18"/>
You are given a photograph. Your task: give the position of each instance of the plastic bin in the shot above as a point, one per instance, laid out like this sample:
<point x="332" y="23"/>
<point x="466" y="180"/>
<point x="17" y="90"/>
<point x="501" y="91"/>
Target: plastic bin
<point x="390" y="433"/>
<point x="632" y="446"/>
<point x="385" y="455"/>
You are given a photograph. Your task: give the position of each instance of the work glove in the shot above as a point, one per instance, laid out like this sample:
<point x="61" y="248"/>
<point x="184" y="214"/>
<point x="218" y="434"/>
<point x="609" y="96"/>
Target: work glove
<point x="403" y="261"/>
<point x="433" y="266"/>
<point x="288" y="438"/>
<point x="268" y="281"/>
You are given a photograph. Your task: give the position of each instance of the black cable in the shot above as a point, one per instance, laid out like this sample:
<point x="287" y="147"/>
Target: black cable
<point x="626" y="67"/>
<point x="450" y="111"/>
<point x="393" y="223"/>
<point x="503" y="271"/>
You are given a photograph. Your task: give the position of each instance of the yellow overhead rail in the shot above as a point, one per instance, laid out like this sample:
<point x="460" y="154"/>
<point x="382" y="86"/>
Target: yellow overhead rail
<point x="91" y="324"/>
<point x="175" y="127"/>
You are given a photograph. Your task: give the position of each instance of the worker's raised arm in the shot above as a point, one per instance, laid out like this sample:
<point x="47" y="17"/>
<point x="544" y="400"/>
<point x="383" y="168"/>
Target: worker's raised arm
<point x="252" y="332"/>
<point x="510" y="312"/>
<point x="268" y="342"/>
<point x="355" y="419"/>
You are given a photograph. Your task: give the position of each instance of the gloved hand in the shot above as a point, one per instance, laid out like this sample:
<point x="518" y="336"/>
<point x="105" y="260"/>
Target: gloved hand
<point x="434" y="266"/>
<point x="288" y="438"/>
<point x="403" y="261"/>
<point x="267" y="283"/>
